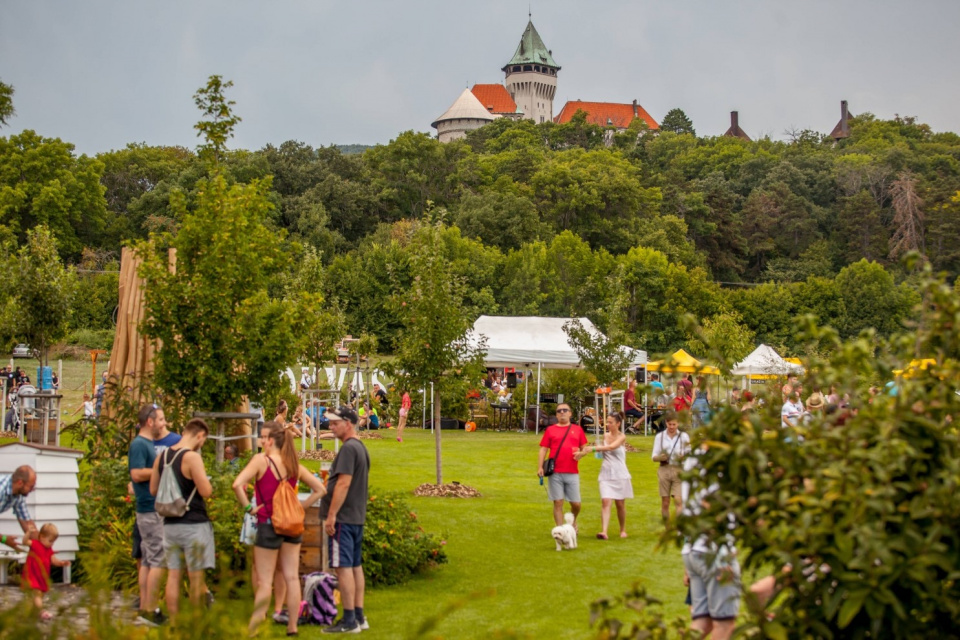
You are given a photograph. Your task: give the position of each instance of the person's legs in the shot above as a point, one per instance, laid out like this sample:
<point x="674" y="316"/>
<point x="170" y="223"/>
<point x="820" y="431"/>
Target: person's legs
<point x="151" y="547"/>
<point x="154" y="576"/>
<point x="663" y="480"/>
<point x="279" y="592"/>
<point x="266" y="562"/>
<point x="575" y="510"/>
<point x="37" y="599"/>
<point x="558" y="512"/>
<point x="621" y="517"/>
<point x="571" y="490"/>
<point x="665" y="508"/>
<point x="604" y="515"/>
<point x="723" y="629"/>
<point x="289" y="562"/>
<point x="348" y="588"/>
<point x="359" y="587"/>
<point x="198" y="587"/>
<point x="173" y="591"/>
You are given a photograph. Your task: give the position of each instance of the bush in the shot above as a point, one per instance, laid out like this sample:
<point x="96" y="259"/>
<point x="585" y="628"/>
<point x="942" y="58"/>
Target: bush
<point x="92" y="338"/>
<point x="395" y="546"/>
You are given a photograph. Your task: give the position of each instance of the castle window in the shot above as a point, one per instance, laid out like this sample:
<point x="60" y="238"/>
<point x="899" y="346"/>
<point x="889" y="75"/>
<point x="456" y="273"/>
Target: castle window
<point x="528" y="67"/>
<point x="516" y="68"/>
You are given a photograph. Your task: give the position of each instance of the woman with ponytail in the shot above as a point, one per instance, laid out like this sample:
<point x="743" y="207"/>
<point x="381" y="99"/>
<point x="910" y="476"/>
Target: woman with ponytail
<point x="278" y="463"/>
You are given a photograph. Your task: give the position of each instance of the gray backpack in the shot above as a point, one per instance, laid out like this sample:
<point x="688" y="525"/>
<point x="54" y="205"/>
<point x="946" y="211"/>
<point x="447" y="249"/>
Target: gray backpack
<point x="170" y="502"/>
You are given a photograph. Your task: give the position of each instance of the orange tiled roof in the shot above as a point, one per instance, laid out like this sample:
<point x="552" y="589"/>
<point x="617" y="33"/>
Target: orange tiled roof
<point x="494" y="98"/>
<point x="605" y="113"/>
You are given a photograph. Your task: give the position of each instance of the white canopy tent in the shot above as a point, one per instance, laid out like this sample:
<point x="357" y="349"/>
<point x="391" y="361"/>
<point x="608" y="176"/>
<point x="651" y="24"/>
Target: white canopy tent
<point x="522" y="341"/>
<point x="764" y="361"/>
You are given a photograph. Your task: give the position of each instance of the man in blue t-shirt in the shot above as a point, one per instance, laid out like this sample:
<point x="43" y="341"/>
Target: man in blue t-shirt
<point x="150" y="525"/>
<point x="165" y="440"/>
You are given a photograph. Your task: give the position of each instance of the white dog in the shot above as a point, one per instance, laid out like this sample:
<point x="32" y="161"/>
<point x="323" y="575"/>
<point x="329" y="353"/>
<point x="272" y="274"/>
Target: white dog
<point x="565" y="535"/>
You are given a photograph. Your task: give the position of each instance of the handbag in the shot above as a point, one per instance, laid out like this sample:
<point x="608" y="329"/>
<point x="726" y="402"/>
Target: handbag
<point x="248" y="529"/>
<point x="288" y="514"/>
<point x="549" y="467"/>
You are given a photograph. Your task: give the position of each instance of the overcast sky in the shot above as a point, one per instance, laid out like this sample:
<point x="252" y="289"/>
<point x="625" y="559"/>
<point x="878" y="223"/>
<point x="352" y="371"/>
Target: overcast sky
<point x="103" y="74"/>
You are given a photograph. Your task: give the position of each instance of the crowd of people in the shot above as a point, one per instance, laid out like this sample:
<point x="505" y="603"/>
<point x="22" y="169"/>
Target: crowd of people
<point x="176" y="535"/>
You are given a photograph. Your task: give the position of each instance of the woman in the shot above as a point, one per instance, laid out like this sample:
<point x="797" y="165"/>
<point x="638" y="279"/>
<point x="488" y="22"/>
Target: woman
<point x="700" y="407"/>
<point x="405" y="404"/>
<point x="615" y="484"/>
<point x="277" y="464"/>
<point x="684" y="398"/>
<point x="281" y="418"/>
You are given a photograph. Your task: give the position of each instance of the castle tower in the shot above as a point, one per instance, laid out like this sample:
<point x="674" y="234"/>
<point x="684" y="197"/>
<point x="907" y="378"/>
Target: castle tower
<point x="466" y="114"/>
<point x="531" y="77"/>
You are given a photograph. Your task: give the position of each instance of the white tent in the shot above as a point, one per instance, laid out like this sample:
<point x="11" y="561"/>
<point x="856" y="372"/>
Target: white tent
<point x="528" y="340"/>
<point x="524" y="341"/>
<point x="764" y="361"/>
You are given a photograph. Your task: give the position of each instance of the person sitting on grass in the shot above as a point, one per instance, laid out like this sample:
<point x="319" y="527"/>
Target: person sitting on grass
<point x="36" y="571"/>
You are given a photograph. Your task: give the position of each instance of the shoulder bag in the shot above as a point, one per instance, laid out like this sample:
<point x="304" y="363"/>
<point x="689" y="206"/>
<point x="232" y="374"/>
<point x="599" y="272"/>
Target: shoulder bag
<point x="549" y="467"/>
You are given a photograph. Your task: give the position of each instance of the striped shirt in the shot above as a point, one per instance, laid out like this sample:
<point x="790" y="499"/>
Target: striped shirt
<point x="10" y="501"/>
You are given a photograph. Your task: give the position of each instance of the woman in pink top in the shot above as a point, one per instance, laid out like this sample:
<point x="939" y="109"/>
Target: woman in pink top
<point x="278" y="463"/>
<point x="405" y="404"/>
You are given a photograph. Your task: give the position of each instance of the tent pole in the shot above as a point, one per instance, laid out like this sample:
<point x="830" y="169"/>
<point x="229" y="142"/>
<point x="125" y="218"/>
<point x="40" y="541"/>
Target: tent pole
<point x="434" y="418"/>
<point x="537" y="425"/>
<point x="526" y="393"/>
<point x="646" y="402"/>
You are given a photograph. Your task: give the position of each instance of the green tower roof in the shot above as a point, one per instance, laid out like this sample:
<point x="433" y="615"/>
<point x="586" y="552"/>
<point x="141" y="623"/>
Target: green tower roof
<point x="531" y="49"/>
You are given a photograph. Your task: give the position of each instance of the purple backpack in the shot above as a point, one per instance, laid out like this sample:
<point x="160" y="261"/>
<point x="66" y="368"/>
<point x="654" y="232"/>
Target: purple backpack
<point x="318" y="605"/>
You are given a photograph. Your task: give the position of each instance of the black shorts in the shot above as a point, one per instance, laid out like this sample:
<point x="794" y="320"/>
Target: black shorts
<point x="137" y="552"/>
<point x="267" y="538"/>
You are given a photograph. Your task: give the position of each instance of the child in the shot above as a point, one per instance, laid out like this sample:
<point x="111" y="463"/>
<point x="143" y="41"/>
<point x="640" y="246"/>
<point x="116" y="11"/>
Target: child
<point x="36" y="572"/>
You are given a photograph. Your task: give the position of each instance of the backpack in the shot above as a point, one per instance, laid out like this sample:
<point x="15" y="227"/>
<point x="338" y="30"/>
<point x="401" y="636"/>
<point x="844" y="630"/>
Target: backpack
<point x="288" y="514"/>
<point x="170" y="502"/>
<point x="321" y="608"/>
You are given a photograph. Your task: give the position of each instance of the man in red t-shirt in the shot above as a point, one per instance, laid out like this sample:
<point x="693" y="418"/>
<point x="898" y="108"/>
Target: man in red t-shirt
<point x="561" y="441"/>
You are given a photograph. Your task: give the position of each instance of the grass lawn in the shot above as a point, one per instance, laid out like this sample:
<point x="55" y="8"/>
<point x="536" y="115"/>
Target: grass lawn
<point x="502" y="561"/>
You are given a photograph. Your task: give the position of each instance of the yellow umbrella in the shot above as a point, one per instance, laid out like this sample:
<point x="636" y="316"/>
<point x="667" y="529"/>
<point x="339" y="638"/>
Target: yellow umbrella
<point x="682" y="362"/>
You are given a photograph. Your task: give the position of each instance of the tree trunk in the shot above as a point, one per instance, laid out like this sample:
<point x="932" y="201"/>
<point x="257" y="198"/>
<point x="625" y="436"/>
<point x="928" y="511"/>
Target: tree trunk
<point x="436" y="429"/>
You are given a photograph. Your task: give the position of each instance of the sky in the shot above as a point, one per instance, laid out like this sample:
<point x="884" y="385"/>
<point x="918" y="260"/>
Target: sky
<point x="105" y="74"/>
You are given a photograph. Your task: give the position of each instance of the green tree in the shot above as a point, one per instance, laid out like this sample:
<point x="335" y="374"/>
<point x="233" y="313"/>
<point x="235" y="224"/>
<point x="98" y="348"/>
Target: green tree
<point x="6" y="104"/>
<point x="504" y="220"/>
<point x="433" y="346"/>
<point x="43" y="182"/>
<point x="44" y="292"/>
<point x="677" y="122"/>
<point x="872" y="300"/>
<point x="724" y="337"/>
<point x="223" y="337"/>
<point x="220" y="121"/>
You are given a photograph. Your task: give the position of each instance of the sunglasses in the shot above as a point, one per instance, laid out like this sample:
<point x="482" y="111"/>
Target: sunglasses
<point x="563" y="410"/>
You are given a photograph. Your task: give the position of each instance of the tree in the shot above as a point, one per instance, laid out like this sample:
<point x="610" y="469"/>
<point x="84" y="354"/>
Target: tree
<point x="872" y="300"/>
<point x="223" y="337"/>
<point x="908" y="218"/>
<point x="433" y="346"/>
<point x="725" y="337"/>
<point x="220" y="122"/>
<point x="6" y="104"/>
<point x="504" y="220"/>
<point x="599" y="354"/>
<point x="44" y="293"/>
<point x="677" y="122"/>
<point x="43" y="182"/>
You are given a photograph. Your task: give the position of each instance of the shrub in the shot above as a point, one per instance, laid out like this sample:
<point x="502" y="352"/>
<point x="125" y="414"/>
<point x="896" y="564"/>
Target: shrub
<point x="395" y="546"/>
<point x="92" y="338"/>
<point x="107" y="517"/>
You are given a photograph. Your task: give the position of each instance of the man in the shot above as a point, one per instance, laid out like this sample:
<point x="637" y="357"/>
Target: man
<point x="792" y="411"/>
<point x="735" y="397"/>
<point x="305" y="380"/>
<point x="14" y="489"/>
<point x="560" y="441"/>
<point x="344" y="511"/>
<point x="101" y="391"/>
<point x="656" y="386"/>
<point x="381" y="396"/>
<point x="231" y="454"/>
<point x="189" y="538"/>
<point x="669" y="449"/>
<point x="166" y="439"/>
<point x="711" y="570"/>
<point x="630" y="406"/>
<point x="150" y="526"/>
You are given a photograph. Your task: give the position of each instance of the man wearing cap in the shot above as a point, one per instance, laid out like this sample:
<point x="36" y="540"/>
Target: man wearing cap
<point x="14" y="489"/>
<point x="344" y="511"/>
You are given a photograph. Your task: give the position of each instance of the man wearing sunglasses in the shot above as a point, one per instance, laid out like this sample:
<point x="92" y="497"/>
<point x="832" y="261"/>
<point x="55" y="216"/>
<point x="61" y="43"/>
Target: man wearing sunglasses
<point x="560" y="441"/>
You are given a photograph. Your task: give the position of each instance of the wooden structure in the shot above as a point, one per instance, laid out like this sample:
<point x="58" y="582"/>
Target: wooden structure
<point x="248" y="430"/>
<point x="39" y="415"/>
<point x="54" y="499"/>
<point x="131" y="361"/>
<point x="313" y="551"/>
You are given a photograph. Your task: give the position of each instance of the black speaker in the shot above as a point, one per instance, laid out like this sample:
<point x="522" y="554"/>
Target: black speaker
<point x="641" y="375"/>
<point x="512" y="380"/>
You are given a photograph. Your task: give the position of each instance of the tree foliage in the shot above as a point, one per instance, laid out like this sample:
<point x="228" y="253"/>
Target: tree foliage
<point x="44" y="293"/>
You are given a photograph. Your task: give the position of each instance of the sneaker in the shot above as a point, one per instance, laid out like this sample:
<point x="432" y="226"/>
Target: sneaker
<point x="281" y="617"/>
<point x="154" y="619"/>
<point x="135" y="605"/>
<point x="399" y="439"/>
<point x="209" y="599"/>
<point x="340" y="627"/>
<point x="364" y="624"/>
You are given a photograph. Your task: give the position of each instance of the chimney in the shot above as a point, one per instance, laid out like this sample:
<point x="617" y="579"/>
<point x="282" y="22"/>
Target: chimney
<point x="844" y="115"/>
<point x="735" y="123"/>
<point x="635" y="115"/>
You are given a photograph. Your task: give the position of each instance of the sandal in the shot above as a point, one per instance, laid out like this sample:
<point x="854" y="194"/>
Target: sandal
<point x="602" y="536"/>
<point x="46" y="616"/>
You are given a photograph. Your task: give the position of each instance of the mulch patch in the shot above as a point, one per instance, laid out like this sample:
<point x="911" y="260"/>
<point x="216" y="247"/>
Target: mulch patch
<point x="631" y="449"/>
<point x="326" y="455"/>
<point x="369" y="435"/>
<point x="9" y="434"/>
<point x="449" y="490"/>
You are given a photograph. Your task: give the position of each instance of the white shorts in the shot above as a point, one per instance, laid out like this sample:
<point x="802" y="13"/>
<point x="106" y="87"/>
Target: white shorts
<point x="564" y="486"/>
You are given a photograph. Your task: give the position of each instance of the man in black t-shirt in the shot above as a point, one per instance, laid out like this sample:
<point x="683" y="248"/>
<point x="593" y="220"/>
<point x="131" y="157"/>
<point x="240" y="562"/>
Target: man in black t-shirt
<point x="344" y="511"/>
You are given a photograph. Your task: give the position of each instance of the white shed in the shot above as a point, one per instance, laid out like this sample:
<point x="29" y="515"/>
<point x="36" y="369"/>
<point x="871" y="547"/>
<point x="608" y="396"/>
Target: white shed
<point x="55" y="497"/>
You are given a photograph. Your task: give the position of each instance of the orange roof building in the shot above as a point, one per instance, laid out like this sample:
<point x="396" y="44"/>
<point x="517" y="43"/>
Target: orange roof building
<point x="607" y="114"/>
<point x="496" y="99"/>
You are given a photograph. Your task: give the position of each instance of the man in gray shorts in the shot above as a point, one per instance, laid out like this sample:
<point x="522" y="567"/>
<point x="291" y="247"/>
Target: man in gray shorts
<point x="712" y="570"/>
<point x="560" y="441"/>
<point x="140" y="463"/>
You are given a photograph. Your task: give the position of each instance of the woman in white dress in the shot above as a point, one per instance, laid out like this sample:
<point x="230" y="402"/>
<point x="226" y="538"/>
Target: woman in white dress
<point x="615" y="482"/>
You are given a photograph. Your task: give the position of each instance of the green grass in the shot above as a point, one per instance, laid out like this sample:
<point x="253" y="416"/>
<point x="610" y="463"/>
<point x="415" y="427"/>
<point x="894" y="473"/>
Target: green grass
<point x="499" y="545"/>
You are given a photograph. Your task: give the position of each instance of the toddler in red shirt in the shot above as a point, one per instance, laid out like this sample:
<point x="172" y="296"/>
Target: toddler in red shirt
<point x="36" y="572"/>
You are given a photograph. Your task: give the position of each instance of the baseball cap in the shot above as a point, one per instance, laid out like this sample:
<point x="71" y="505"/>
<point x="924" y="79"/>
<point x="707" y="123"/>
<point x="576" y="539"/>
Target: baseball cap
<point x="342" y="413"/>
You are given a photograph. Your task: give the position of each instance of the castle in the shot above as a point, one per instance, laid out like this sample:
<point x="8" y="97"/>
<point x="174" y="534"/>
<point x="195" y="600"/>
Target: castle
<point x="530" y="84"/>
